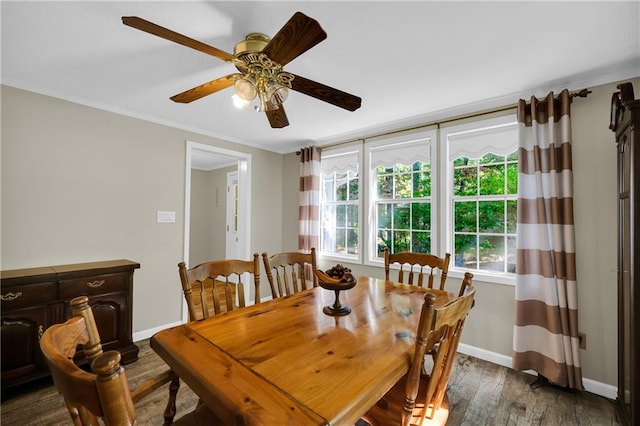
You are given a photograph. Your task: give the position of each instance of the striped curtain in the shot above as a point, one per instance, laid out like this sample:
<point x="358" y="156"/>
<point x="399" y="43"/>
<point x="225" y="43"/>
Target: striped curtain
<point x="545" y="337"/>
<point x="309" y="199"/>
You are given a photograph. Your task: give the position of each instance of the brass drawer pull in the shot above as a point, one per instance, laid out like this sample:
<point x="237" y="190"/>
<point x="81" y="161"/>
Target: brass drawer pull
<point x="40" y="332"/>
<point x="96" y="283"/>
<point x="10" y="296"/>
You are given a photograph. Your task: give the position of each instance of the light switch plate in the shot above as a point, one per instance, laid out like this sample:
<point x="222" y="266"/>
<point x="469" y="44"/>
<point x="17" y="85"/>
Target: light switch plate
<point x="166" y="217"/>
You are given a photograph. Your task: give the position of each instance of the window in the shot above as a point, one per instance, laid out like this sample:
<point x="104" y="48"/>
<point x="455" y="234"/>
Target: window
<point x="340" y="204"/>
<point x="452" y="190"/>
<point x="482" y="192"/>
<point x="400" y="176"/>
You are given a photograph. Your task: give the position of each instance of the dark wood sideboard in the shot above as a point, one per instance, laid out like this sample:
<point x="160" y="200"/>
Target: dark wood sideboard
<point x="35" y="298"/>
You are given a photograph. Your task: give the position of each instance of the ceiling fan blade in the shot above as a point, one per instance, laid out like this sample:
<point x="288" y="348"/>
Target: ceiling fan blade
<point x="151" y="28"/>
<point x="297" y="36"/>
<point x="205" y="89"/>
<point x="278" y="118"/>
<point x="326" y="93"/>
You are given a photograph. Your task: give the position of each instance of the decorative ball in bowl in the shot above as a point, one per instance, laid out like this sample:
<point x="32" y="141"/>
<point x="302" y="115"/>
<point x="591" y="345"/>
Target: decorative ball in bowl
<point x="337" y="278"/>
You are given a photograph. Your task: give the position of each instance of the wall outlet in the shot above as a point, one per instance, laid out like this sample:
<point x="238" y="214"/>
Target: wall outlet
<point x="582" y="339"/>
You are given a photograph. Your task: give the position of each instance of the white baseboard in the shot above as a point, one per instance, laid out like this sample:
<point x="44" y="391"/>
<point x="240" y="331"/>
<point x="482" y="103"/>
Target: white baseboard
<point x="599" y="388"/>
<point x="146" y="334"/>
<point x="595" y="387"/>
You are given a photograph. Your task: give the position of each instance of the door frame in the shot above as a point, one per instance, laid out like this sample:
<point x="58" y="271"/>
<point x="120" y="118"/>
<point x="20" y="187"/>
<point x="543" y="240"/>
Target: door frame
<point x="244" y="206"/>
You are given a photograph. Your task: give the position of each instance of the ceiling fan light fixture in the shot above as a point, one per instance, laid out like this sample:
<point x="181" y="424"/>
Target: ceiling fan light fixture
<point x="280" y="95"/>
<point x="267" y="104"/>
<point x="271" y="94"/>
<point x="245" y="89"/>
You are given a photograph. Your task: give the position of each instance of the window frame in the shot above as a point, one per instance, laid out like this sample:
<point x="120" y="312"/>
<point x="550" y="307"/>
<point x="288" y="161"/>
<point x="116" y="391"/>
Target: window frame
<point x="504" y="123"/>
<point x="426" y="134"/>
<point x="336" y="152"/>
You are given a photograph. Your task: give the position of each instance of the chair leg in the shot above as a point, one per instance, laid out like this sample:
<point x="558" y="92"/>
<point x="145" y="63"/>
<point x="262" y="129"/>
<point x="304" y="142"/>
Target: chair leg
<point x="74" y="413"/>
<point x="170" y="411"/>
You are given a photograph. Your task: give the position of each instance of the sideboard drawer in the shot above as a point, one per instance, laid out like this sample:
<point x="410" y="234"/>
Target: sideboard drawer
<point x="27" y="295"/>
<point x="97" y="284"/>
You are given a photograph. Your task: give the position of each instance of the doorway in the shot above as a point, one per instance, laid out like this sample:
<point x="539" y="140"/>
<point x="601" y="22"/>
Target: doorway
<point x="201" y="158"/>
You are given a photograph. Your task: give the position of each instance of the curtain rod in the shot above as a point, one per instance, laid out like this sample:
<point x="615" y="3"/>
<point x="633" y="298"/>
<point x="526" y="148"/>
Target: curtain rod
<point x="582" y="93"/>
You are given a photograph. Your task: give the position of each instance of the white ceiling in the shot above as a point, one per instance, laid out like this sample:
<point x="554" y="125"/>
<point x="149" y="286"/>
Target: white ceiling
<point x="410" y="62"/>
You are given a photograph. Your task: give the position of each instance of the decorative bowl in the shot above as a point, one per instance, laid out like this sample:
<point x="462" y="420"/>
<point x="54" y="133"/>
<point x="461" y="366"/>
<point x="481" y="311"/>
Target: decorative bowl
<point x="337" y="285"/>
<point x="342" y="285"/>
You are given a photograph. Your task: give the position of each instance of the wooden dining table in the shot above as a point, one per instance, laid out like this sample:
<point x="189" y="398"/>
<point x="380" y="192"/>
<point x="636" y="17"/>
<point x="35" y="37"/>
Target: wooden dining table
<point x="285" y="362"/>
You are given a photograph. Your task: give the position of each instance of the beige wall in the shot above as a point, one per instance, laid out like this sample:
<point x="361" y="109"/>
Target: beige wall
<point x="81" y="184"/>
<point x="202" y="208"/>
<point x="594" y="162"/>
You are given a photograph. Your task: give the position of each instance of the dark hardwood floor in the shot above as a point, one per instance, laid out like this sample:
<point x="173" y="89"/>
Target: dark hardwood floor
<point x="480" y="393"/>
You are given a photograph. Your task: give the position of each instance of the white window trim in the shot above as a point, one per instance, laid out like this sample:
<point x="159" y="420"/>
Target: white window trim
<point x="371" y="192"/>
<point x="346" y="149"/>
<point x="446" y="180"/>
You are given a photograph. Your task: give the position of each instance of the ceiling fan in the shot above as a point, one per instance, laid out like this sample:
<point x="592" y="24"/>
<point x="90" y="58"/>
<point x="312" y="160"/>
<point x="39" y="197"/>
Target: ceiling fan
<point x="260" y="61"/>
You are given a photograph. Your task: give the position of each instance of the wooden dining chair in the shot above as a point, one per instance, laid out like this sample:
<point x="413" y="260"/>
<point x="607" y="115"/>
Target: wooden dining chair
<point x="420" y="398"/>
<point x="290" y="272"/>
<point x="103" y="393"/>
<point x="417" y="265"/>
<point x="228" y="273"/>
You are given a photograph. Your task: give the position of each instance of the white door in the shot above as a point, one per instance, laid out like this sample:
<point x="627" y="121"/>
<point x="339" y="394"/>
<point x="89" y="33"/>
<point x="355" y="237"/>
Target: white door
<point x="233" y="216"/>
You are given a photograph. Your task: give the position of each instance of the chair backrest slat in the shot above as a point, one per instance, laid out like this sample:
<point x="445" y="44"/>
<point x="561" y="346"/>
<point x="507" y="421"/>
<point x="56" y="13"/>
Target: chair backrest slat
<point x="297" y="279"/>
<point x="281" y="286"/>
<point x="430" y="282"/>
<point x="288" y="288"/>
